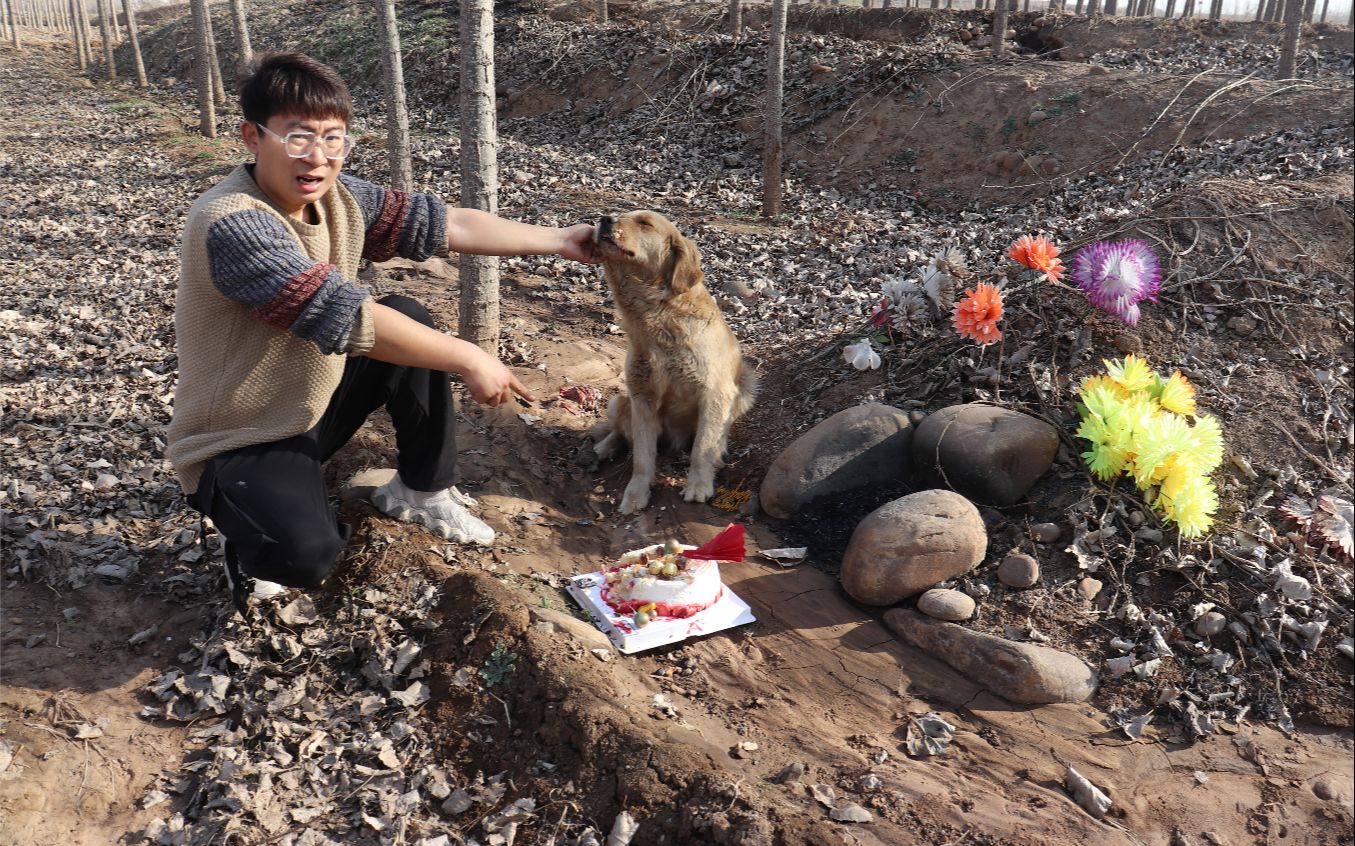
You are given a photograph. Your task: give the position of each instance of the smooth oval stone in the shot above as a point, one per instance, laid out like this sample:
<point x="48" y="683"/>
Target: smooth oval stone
<point x="1210" y="623"/>
<point x="1018" y="570"/>
<point x="946" y="604"/>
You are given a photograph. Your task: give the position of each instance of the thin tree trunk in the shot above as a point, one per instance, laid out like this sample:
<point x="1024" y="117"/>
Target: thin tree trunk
<point x="1093" y="8"/>
<point x="1323" y="19"/>
<point x="999" y="28"/>
<point x="736" y="18"/>
<point x="479" y="318"/>
<point x="13" y="24"/>
<point x="86" y="35"/>
<point x="601" y="8"/>
<point x="1170" y="11"/>
<point x="136" y="44"/>
<point x="1309" y="8"/>
<point x="397" y="113"/>
<point x="771" y="141"/>
<point x="242" y="32"/>
<point x="113" y="19"/>
<point x="1289" y="47"/>
<point x="218" y="84"/>
<point x="75" y="35"/>
<point x="202" y="69"/>
<point x="106" y="32"/>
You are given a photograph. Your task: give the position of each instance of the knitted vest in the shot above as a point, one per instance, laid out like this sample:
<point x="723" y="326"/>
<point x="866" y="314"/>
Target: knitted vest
<point x="244" y="378"/>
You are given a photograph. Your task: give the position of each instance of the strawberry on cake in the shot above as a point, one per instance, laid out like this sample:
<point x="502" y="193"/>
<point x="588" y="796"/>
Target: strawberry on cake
<point x="671" y="579"/>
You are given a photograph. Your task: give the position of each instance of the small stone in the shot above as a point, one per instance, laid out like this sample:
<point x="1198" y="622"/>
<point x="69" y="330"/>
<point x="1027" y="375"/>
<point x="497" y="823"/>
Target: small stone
<point x="1210" y="624"/>
<point x="946" y="605"/>
<point x="1019" y="570"/>
<point x="1098" y="70"/>
<point x="792" y="773"/>
<point x="1089" y="588"/>
<point x="1242" y="324"/>
<point x="1036" y="117"/>
<point x="910" y="544"/>
<point x="1045" y="532"/>
<point x="1324" y="789"/>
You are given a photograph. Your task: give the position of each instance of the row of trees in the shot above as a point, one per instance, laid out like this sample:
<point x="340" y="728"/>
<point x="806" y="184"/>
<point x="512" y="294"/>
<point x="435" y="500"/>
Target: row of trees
<point x="479" y="300"/>
<point x="1266" y="10"/>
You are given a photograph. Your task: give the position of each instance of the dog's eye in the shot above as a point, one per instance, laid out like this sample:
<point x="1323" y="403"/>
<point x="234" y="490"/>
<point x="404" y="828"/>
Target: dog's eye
<point x="645" y="224"/>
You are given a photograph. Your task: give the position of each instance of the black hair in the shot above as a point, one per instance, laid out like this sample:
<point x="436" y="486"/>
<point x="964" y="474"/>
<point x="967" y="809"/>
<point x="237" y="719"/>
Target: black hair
<point x="294" y="84"/>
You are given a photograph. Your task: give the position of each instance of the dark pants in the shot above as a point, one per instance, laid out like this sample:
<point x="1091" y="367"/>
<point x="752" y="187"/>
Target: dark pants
<point x="269" y="500"/>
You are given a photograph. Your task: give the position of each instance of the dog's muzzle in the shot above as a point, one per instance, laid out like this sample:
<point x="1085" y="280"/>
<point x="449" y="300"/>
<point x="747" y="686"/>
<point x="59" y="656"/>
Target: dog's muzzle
<point x="604" y="229"/>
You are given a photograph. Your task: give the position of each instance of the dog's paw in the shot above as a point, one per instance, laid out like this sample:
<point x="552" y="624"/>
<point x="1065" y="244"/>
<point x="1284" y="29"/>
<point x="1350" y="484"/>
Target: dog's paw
<point x="606" y="448"/>
<point x="698" y="490"/>
<point x="635" y="498"/>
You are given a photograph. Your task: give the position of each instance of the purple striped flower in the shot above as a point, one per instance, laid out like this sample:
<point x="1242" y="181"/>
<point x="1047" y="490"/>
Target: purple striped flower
<point x="1117" y="275"/>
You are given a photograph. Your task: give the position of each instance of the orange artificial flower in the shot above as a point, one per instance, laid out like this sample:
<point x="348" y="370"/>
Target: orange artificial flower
<point x="977" y="314"/>
<point x="1038" y="253"/>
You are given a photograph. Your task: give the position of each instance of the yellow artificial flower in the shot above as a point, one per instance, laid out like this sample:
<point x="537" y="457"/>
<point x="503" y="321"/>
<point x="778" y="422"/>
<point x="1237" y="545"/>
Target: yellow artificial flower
<point x="1178" y="395"/>
<point x="1102" y="382"/>
<point x="1133" y="373"/>
<point x="1159" y="438"/>
<point x="1192" y="506"/>
<point x="1206" y="443"/>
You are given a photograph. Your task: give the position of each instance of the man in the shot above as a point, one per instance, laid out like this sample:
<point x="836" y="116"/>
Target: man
<point x="282" y="356"/>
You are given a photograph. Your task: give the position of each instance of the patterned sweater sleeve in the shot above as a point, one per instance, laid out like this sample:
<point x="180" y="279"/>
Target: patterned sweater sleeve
<point x="411" y="226"/>
<point x="257" y="262"/>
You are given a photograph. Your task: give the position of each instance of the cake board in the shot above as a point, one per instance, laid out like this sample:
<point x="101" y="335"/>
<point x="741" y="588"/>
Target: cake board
<point x="586" y="589"/>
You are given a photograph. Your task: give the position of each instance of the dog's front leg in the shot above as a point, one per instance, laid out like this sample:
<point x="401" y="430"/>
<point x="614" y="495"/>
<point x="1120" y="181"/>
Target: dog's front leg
<point x="707" y="450"/>
<point x="644" y="434"/>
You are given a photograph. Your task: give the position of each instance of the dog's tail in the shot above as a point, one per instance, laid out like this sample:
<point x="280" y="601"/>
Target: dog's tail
<point x="749" y="383"/>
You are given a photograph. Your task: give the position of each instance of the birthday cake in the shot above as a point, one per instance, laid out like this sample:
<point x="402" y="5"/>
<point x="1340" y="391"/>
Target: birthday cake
<point x="661" y="581"/>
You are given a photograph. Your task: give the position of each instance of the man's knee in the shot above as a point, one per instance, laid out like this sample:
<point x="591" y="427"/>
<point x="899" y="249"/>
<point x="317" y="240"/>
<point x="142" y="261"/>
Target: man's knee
<point x="408" y="306"/>
<point x="302" y="561"/>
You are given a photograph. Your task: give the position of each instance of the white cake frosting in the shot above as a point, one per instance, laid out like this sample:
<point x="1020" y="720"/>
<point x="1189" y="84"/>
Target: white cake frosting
<point x="675" y="585"/>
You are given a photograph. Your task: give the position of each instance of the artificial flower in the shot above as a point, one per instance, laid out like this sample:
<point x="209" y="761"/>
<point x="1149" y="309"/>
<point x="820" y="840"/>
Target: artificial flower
<point x="861" y="355"/>
<point x="977" y="314"/>
<point x="1189" y="503"/>
<point x="1037" y="253"/>
<point x="1159" y="438"/>
<point x="910" y="314"/>
<point x="1133" y="374"/>
<point x="1177" y="394"/>
<point x="1117" y="275"/>
<point x="1101" y="380"/>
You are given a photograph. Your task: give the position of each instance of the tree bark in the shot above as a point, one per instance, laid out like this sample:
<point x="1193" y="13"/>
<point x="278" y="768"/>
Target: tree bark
<point x="135" y="42"/>
<point x="397" y="112"/>
<point x="86" y="35"/>
<point x="13" y="25"/>
<point x="600" y="8"/>
<point x="479" y="317"/>
<point x="202" y="69"/>
<point x="1289" y="47"/>
<point x="242" y="32"/>
<point x="106" y="33"/>
<point x="1170" y="11"/>
<point x="1323" y="19"/>
<point x="771" y="139"/>
<point x="736" y="18"/>
<point x="1308" y="9"/>
<point x="999" y="28"/>
<point x="75" y="35"/>
<point x="218" y="84"/>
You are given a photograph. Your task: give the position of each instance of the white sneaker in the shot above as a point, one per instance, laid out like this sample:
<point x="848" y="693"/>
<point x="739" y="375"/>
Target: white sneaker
<point x="441" y="512"/>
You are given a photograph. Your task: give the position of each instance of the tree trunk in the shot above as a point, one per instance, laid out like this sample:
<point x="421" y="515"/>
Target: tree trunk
<point x="218" y="84"/>
<point x="75" y="36"/>
<point x="736" y="18"/>
<point x="136" y="44"/>
<point x="771" y="140"/>
<point x="397" y="114"/>
<point x="602" y="11"/>
<point x="202" y="69"/>
<point x="999" y="28"/>
<point x="1293" y="22"/>
<point x="1323" y="19"/>
<point x="106" y="33"/>
<point x="1170" y="11"/>
<point x="86" y="35"/>
<point x="479" y="318"/>
<point x="13" y="24"/>
<point x="242" y="32"/>
<point x="1308" y="9"/>
<point x="1093" y="8"/>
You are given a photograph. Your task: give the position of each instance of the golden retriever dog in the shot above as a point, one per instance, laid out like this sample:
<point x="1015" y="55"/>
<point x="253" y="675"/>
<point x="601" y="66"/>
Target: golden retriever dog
<point x="686" y="380"/>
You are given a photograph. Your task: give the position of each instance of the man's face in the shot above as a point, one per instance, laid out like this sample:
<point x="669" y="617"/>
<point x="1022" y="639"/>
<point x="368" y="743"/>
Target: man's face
<point x="292" y="183"/>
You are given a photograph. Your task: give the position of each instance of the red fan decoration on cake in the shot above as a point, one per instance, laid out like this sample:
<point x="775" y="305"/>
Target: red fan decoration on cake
<point x="726" y="546"/>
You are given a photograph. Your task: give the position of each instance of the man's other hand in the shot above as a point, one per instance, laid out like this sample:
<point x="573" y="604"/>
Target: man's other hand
<point x="579" y="244"/>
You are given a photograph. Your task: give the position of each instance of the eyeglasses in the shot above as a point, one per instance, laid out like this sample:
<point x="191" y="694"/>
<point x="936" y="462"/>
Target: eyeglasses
<point x="299" y="144"/>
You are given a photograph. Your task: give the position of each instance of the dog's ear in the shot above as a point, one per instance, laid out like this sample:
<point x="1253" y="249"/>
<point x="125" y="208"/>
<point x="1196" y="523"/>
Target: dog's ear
<point x="684" y="264"/>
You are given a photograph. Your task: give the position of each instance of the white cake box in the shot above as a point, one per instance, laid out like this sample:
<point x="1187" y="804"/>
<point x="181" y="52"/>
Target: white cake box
<point x="728" y="611"/>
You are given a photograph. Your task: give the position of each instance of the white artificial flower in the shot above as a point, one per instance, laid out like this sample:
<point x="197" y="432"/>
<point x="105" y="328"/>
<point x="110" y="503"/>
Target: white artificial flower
<point x="910" y="315"/>
<point x="861" y="356"/>
<point x="939" y="287"/>
<point x="896" y="288"/>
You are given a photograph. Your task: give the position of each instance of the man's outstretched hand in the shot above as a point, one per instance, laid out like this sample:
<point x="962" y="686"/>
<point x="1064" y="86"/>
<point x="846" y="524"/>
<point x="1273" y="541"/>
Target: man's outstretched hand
<point x="491" y="383"/>
<point x="579" y="244"/>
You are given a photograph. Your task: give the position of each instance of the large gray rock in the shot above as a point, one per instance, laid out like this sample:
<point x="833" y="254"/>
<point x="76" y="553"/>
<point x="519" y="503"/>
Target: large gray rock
<point x="1018" y="672"/>
<point x="907" y="545"/>
<point x="991" y="455"/>
<point x="856" y="448"/>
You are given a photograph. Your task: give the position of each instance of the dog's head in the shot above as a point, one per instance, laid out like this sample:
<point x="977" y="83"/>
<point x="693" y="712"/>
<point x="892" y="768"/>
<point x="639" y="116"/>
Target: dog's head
<point x="646" y="246"/>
